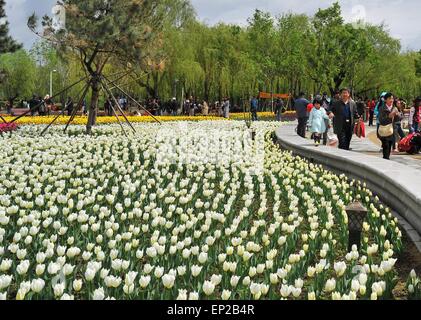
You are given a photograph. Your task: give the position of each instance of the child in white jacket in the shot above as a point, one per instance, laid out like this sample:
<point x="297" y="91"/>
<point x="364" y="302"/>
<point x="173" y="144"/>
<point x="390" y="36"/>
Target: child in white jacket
<point x="317" y="119"/>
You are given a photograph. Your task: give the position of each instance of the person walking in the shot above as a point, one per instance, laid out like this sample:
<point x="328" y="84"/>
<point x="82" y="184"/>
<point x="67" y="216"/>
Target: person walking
<point x="84" y="107"/>
<point x="205" y="110"/>
<point x="33" y="103"/>
<point x="174" y="106"/>
<point x="226" y="108"/>
<point x="326" y="106"/>
<point x="360" y="107"/>
<point x="49" y="104"/>
<point x="300" y="106"/>
<point x="108" y="106"/>
<point x="192" y="107"/>
<point x="371" y="107"/>
<point x="344" y="114"/>
<point x="69" y="106"/>
<point x="279" y="106"/>
<point x="254" y="107"/>
<point x="317" y="119"/>
<point x="387" y="114"/>
<point x="414" y="116"/>
<point x="399" y="134"/>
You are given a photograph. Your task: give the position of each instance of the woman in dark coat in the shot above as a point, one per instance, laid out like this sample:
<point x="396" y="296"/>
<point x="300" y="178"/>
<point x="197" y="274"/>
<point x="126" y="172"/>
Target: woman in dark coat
<point x="387" y="115"/>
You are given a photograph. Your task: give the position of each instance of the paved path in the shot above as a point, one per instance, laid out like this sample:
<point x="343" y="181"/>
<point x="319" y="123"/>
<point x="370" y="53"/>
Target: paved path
<point x="372" y="146"/>
<point x="396" y="182"/>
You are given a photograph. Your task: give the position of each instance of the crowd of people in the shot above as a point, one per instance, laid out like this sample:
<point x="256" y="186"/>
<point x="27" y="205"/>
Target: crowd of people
<point x="340" y="116"/>
<point x="39" y="106"/>
<point x="189" y="107"/>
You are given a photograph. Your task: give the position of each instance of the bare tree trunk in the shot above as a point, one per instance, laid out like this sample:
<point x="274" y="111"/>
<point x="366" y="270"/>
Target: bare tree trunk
<point x="93" y="109"/>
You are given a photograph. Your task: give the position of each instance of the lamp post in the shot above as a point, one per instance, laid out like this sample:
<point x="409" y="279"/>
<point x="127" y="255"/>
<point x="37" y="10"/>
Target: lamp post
<point x="356" y="214"/>
<point x="51" y="82"/>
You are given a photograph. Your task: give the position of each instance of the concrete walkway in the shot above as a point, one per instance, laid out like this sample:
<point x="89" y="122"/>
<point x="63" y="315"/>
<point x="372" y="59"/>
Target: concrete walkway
<point x="371" y="145"/>
<point x="396" y="182"/>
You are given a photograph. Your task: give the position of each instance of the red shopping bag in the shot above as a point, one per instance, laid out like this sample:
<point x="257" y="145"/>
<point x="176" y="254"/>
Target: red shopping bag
<point x="362" y="124"/>
<point x="359" y="129"/>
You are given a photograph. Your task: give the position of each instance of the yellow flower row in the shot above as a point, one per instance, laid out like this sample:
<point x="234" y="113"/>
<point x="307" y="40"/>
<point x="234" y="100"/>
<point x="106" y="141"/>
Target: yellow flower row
<point x="135" y="119"/>
<point x="262" y="115"/>
<point x="106" y="120"/>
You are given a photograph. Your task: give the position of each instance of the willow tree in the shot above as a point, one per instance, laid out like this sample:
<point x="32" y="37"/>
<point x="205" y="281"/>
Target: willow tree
<point x="100" y="31"/>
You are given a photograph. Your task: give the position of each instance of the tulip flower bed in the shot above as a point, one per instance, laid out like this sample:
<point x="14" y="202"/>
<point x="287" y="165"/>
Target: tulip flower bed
<point x="182" y="211"/>
<point x="82" y="120"/>
<point x="265" y="116"/>
<point x="7" y="127"/>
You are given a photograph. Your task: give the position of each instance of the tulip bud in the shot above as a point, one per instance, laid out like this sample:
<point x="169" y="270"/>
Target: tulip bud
<point x="77" y="285"/>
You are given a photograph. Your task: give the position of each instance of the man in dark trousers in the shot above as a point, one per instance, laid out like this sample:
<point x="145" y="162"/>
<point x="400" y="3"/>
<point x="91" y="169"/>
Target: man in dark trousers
<point x="279" y="106"/>
<point x="108" y="106"/>
<point x="174" y="106"/>
<point x="254" y="107"/>
<point x="301" y="109"/>
<point x="69" y="106"/>
<point x="344" y="114"/>
<point x="35" y="101"/>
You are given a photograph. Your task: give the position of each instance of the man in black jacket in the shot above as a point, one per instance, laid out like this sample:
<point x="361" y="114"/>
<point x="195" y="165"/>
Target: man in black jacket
<point x="35" y="101"/>
<point x="301" y="108"/>
<point x="69" y="106"/>
<point x="344" y="112"/>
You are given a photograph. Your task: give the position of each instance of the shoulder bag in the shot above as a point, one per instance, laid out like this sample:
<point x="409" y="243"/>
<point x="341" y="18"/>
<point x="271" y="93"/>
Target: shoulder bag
<point x="387" y="130"/>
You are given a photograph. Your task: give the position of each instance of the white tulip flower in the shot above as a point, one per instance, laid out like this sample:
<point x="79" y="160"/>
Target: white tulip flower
<point x="168" y="281"/>
<point x="234" y="281"/>
<point x="195" y="270"/>
<point x="216" y="279"/>
<point x="330" y="285"/>
<point x="77" y="285"/>
<point x="58" y="289"/>
<point x="99" y="294"/>
<point x="144" y="281"/>
<point x="182" y="294"/>
<point x="208" y="288"/>
<point x="194" y="296"/>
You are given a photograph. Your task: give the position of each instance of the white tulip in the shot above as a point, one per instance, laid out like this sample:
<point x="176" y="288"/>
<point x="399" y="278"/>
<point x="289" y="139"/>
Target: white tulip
<point x="168" y="281"/>
<point x="58" y="289"/>
<point x="144" y="281"/>
<point x="194" y="296"/>
<point x="182" y="294"/>
<point x="208" y="287"/>
<point x="234" y="281"/>
<point x="77" y="285"/>
<point x="195" y="270"/>
<point x="99" y="294"/>
<point x="330" y="285"/>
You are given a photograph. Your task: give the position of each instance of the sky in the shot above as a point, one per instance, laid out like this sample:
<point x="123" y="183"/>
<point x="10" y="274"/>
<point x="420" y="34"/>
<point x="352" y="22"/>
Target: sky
<point x="400" y="16"/>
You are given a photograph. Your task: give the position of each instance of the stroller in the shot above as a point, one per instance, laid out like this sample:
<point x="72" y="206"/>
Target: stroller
<point x="411" y="144"/>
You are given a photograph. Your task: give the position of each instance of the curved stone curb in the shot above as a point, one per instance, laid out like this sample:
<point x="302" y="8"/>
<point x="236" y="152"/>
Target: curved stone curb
<point x="394" y="183"/>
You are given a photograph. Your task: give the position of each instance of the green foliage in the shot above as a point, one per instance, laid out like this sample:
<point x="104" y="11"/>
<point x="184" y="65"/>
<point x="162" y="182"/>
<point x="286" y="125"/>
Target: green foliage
<point x="173" y="53"/>
<point x="20" y="71"/>
<point x="418" y="64"/>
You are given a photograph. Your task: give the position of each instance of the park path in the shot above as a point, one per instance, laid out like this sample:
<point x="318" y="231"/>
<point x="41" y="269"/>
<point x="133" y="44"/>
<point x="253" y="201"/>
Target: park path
<point x="364" y="162"/>
<point x="371" y="145"/>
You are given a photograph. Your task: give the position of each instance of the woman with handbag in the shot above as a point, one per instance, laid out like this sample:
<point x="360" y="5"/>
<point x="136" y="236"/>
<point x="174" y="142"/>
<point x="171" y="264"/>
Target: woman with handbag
<point x="386" y="131"/>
